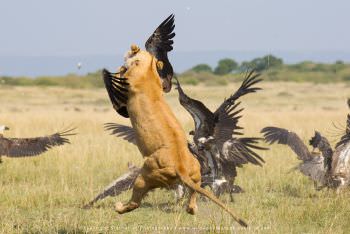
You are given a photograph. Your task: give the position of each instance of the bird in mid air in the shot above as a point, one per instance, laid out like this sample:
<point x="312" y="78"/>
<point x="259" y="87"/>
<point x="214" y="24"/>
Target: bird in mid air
<point x="28" y="147"/>
<point x="158" y="44"/>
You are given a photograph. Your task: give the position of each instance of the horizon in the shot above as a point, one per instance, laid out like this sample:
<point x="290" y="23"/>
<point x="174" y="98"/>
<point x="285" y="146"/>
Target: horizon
<point x="37" y="66"/>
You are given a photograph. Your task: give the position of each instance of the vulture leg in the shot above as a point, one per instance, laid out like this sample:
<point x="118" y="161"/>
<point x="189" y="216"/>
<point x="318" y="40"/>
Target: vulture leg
<point x="231" y="188"/>
<point x="179" y="193"/>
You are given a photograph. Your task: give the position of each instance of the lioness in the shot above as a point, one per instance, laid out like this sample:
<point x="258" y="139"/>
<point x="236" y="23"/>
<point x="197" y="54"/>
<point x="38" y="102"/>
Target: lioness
<point x="160" y="137"/>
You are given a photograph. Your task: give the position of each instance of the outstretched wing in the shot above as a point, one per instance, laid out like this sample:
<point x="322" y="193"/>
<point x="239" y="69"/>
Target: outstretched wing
<point x="203" y="118"/>
<point x="250" y="79"/>
<point x="27" y="147"/>
<point x="227" y="115"/>
<point x="125" y="132"/>
<point x="241" y="151"/>
<point x="285" y="137"/>
<point x="227" y="124"/>
<point x="121" y="184"/>
<point x="160" y="43"/>
<point x="346" y="137"/>
<point x="117" y="89"/>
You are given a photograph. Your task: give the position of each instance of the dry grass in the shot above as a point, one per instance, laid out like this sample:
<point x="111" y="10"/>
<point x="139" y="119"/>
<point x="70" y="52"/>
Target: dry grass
<point x="44" y="194"/>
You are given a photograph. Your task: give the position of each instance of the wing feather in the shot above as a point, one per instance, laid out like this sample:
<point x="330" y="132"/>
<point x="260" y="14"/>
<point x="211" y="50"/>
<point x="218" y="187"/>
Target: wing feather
<point x="285" y="137"/>
<point x="117" y="89"/>
<point x="203" y="118"/>
<point x="27" y="147"/>
<point x="160" y="43"/>
<point x="121" y="184"/>
<point x="226" y="117"/>
<point x="240" y="151"/>
<point x="125" y="132"/>
<point x="346" y="137"/>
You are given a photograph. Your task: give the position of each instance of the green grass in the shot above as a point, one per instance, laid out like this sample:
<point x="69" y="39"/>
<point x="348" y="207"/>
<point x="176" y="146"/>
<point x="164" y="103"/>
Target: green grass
<point x="45" y="194"/>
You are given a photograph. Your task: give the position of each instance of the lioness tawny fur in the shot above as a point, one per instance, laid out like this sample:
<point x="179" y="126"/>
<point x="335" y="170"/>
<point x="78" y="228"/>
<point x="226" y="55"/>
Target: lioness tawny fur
<point x="160" y="137"/>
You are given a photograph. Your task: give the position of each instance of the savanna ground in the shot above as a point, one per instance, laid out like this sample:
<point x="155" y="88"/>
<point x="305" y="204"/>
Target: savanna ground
<point x="46" y="193"/>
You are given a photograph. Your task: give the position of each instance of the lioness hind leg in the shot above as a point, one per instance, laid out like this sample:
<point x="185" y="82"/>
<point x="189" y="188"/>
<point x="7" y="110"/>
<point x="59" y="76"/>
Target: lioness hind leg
<point x="140" y="189"/>
<point x="192" y="203"/>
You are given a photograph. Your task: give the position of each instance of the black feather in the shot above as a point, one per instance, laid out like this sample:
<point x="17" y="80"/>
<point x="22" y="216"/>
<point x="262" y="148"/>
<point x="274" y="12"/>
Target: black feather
<point x="117" y="89"/>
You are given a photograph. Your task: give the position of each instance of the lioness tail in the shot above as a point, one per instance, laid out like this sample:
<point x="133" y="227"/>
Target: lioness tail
<point x="188" y="182"/>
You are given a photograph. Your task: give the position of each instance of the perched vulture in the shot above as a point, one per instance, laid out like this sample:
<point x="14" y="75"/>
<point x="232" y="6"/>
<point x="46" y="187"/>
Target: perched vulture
<point x="158" y="44"/>
<point x="330" y="169"/>
<point x="215" y="133"/>
<point x="28" y="147"/>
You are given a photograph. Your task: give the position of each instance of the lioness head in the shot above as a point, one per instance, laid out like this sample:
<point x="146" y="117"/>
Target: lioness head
<point x="140" y="66"/>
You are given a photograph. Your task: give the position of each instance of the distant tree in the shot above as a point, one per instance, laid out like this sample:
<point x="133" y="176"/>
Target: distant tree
<point x="339" y="62"/>
<point x="339" y="65"/>
<point x="262" y="63"/>
<point x="201" y="68"/>
<point x="226" y="66"/>
<point x="272" y="61"/>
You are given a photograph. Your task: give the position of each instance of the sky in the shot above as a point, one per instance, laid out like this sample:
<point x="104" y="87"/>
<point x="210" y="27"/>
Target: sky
<point x="73" y="28"/>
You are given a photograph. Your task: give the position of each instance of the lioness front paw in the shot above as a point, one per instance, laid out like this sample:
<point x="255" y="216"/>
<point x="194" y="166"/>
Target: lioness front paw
<point x="119" y="207"/>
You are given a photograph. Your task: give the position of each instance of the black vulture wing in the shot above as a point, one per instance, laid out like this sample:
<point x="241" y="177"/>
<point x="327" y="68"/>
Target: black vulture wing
<point x="250" y="79"/>
<point x="203" y="118"/>
<point x="285" y="137"/>
<point x="27" y="147"/>
<point x="241" y="151"/>
<point x="227" y="115"/>
<point x="346" y="137"/>
<point x="125" y="132"/>
<point x="159" y="44"/>
<point x="117" y="89"/>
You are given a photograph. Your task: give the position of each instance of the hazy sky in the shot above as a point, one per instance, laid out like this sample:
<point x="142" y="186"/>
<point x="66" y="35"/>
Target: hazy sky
<point x="105" y="27"/>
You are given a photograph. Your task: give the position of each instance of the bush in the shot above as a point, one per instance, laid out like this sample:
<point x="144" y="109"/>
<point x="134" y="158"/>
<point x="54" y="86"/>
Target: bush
<point x="225" y="66"/>
<point x="201" y="68"/>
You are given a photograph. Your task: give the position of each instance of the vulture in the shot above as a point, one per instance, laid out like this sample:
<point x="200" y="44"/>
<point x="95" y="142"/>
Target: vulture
<point x="213" y="146"/>
<point x="216" y="135"/>
<point x="330" y="168"/>
<point x="158" y="44"/>
<point x="312" y="165"/>
<point x="29" y="147"/>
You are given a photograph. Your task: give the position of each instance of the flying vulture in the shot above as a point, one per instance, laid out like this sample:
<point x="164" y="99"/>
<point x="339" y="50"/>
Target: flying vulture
<point x="330" y="169"/>
<point x="29" y="147"/>
<point x="158" y="44"/>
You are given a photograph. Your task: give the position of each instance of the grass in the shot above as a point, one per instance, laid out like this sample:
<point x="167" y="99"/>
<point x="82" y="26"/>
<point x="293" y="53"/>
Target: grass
<point x="45" y="194"/>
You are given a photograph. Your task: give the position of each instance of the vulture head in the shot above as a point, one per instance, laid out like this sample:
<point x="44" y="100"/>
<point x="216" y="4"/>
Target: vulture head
<point x="205" y="143"/>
